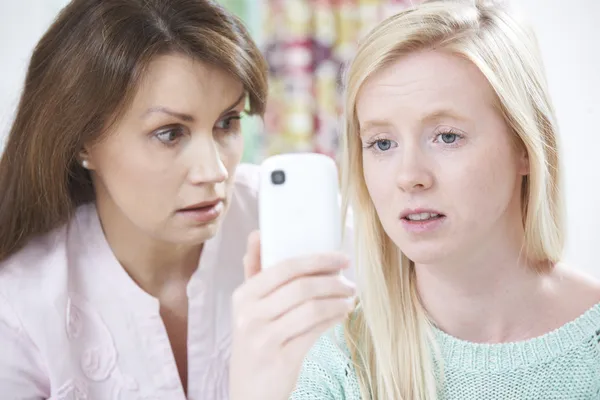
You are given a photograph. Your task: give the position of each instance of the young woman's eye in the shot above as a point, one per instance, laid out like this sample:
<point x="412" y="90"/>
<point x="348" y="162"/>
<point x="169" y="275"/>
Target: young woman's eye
<point x="229" y="123"/>
<point x="169" y="136"/>
<point x="381" y="145"/>
<point x="449" y="138"/>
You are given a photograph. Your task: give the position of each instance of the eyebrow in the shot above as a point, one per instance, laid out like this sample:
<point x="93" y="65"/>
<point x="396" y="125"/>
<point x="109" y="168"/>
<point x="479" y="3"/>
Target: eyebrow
<point x="443" y="113"/>
<point x="188" y="117"/>
<point x="375" y="123"/>
<point x="164" y="110"/>
<point x="432" y="116"/>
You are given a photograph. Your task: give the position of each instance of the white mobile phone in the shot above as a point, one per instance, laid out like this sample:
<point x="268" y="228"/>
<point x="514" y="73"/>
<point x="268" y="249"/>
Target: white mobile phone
<point x="299" y="207"/>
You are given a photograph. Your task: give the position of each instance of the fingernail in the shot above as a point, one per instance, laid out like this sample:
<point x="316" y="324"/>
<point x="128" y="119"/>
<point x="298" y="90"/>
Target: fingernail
<point x="347" y="281"/>
<point x="342" y="260"/>
<point x="351" y="303"/>
<point x="351" y="286"/>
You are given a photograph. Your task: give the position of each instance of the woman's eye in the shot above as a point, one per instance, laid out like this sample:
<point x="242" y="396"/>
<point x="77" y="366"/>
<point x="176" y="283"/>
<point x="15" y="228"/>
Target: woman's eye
<point x="448" y="138"/>
<point x="228" y="123"/>
<point x="169" y="136"/>
<point x="383" y="144"/>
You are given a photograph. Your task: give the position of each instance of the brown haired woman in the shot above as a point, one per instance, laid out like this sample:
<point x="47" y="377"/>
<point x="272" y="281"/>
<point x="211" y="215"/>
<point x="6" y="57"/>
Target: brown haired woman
<point x="124" y="214"/>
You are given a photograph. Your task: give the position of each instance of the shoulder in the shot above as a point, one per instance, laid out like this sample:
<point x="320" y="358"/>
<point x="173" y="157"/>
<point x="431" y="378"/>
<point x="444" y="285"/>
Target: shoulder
<point x="578" y="303"/>
<point x="35" y="277"/>
<point x="574" y="291"/>
<point x="31" y="281"/>
<point x="34" y="264"/>
<point x="327" y="371"/>
<point x="330" y="348"/>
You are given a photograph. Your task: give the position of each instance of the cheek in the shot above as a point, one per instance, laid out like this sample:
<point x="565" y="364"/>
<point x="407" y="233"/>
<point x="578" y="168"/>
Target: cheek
<point x="379" y="182"/>
<point x="485" y="182"/>
<point x="136" y="164"/>
<point x="231" y="150"/>
<point x="131" y="172"/>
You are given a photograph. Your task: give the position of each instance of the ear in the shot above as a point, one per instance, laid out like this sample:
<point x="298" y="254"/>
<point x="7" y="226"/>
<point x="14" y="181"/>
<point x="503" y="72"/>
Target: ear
<point x="523" y="161"/>
<point x="85" y="159"/>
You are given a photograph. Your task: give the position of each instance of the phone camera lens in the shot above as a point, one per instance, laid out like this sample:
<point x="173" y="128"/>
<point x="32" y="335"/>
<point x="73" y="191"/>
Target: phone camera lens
<point x="278" y="177"/>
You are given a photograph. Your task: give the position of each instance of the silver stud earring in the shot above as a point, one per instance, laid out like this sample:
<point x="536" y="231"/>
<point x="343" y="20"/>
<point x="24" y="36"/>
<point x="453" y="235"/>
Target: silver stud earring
<point x="85" y="164"/>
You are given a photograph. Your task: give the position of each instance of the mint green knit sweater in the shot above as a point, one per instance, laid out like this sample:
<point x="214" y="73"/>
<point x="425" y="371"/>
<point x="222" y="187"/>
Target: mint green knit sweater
<point x="561" y="365"/>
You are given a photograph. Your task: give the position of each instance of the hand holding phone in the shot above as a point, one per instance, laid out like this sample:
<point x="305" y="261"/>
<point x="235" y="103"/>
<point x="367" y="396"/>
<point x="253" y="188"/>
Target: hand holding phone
<point x="278" y="315"/>
<point x="294" y="290"/>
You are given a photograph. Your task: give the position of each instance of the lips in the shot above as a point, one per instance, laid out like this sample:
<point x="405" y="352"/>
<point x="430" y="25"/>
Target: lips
<point x="421" y="215"/>
<point x="206" y="205"/>
<point x="424" y="216"/>
<point x="202" y="213"/>
<point x="422" y="221"/>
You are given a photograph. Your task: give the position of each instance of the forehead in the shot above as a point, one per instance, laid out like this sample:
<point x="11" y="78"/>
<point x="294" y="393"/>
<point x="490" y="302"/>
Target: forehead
<point x="422" y="84"/>
<point x="184" y="83"/>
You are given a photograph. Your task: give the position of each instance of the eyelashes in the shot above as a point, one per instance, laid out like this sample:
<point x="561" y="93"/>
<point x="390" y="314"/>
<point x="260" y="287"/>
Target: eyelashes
<point x="171" y="135"/>
<point x="230" y="122"/>
<point x="448" y="138"/>
<point x="381" y="145"/>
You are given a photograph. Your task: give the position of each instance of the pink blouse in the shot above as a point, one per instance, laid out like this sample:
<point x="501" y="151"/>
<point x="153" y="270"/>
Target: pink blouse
<point x="74" y="325"/>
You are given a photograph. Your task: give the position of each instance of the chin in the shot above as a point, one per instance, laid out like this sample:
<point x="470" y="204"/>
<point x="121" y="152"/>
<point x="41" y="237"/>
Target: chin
<point x="425" y="251"/>
<point x="201" y="234"/>
<point x="422" y="258"/>
<point x="192" y="236"/>
<point x="196" y="232"/>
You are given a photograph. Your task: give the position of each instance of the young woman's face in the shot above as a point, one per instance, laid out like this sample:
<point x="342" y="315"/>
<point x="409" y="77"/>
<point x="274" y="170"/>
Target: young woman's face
<point x="168" y="164"/>
<point x="440" y="163"/>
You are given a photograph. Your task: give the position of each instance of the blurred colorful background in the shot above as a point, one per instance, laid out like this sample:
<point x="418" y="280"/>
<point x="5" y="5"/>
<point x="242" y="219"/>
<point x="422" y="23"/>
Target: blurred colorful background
<point x="306" y="43"/>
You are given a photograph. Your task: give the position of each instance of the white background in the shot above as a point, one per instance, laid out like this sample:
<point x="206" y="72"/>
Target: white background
<point x="568" y="33"/>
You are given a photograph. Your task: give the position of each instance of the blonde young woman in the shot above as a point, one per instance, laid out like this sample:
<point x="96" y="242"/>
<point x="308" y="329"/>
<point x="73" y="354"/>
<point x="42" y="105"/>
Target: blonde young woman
<point x="452" y="168"/>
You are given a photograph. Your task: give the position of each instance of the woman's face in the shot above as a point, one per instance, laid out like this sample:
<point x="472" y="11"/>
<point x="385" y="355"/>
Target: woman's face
<point x="440" y="163"/>
<point x="168" y="164"/>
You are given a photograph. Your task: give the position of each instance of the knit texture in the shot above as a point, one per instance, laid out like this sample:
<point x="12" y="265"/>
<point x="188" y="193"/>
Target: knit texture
<point x="563" y="364"/>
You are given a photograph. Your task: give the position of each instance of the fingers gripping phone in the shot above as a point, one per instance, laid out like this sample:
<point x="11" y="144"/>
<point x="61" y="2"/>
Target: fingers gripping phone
<point x="299" y="207"/>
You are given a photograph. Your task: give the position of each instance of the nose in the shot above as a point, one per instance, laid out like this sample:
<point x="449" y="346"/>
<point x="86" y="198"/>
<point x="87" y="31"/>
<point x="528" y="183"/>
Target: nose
<point x="413" y="173"/>
<point x="207" y="164"/>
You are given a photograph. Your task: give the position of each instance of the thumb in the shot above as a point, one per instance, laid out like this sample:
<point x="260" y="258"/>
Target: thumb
<point x="252" y="257"/>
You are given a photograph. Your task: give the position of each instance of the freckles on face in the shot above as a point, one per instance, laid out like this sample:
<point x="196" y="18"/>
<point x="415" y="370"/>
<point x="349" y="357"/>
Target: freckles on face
<point x="177" y="145"/>
<point x="434" y="139"/>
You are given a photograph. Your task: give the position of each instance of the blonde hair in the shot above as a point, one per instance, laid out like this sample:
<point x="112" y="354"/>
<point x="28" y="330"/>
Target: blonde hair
<point x="390" y="335"/>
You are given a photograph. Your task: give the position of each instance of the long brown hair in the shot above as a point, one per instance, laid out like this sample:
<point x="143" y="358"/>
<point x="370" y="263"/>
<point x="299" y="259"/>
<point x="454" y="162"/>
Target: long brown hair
<point x="83" y="73"/>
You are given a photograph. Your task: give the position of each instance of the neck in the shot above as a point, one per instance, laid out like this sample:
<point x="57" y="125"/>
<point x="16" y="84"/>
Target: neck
<point x="488" y="296"/>
<point x="153" y="264"/>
